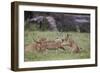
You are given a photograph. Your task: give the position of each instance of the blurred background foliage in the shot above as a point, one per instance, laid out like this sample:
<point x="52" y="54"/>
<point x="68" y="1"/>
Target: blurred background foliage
<point x="52" y="21"/>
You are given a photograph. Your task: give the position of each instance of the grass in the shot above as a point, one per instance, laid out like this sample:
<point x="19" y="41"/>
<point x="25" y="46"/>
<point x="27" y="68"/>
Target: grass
<point x="82" y="39"/>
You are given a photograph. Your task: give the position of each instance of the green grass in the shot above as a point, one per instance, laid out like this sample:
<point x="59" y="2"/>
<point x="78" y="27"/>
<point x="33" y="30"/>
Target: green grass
<point x="82" y="39"/>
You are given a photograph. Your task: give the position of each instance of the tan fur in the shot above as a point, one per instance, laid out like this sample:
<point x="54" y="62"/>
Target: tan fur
<point x="43" y="44"/>
<point x="50" y="44"/>
<point x="33" y="47"/>
<point x="72" y="44"/>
